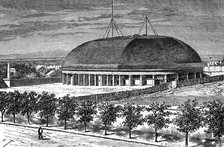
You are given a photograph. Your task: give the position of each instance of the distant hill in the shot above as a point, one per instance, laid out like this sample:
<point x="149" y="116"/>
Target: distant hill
<point x="39" y="54"/>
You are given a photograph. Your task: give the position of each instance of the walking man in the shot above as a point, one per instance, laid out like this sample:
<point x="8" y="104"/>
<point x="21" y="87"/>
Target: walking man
<point x="40" y="132"/>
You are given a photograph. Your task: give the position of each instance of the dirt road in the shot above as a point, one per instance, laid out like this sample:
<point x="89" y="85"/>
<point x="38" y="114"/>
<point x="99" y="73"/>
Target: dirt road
<point x="23" y="136"/>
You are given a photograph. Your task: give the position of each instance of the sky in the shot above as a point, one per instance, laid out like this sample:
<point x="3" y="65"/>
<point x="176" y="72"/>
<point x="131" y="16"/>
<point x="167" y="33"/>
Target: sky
<point x="41" y="25"/>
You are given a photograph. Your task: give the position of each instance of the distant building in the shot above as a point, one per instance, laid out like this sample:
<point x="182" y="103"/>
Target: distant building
<point x="53" y="73"/>
<point x="40" y="68"/>
<point x="12" y="70"/>
<point x="131" y="61"/>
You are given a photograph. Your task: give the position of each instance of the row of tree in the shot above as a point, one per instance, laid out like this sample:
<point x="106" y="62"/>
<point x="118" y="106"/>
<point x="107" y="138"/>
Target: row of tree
<point x="189" y="117"/>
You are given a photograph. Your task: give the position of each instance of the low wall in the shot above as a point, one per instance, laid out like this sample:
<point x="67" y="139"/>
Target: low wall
<point x="206" y="79"/>
<point x="124" y="94"/>
<point x="34" y="81"/>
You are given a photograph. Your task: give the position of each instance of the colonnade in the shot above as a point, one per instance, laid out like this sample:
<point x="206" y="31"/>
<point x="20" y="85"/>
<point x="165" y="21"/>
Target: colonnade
<point x="97" y="79"/>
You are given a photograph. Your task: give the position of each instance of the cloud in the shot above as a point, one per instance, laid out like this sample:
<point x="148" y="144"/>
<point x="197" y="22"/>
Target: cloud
<point x="102" y="16"/>
<point x="36" y="15"/>
<point x="82" y="33"/>
<point x="50" y="5"/>
<point x="24" y="29"/>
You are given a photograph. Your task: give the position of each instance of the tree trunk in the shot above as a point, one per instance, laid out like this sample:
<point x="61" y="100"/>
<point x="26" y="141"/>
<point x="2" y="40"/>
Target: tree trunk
<point x="85" y="126"/>
<point x="28" y="117"/>
<point x="14" y="118"/>
<point x="156" y="134"/>
<point x="186" y="141"/>
<point x="130" y="132"/>
<point x="105" y="129"/>
<point x="2" y="115"/>
<point x="47" y="121"/>
<point x="65" y="125"/>
<point x="220" y="141"/>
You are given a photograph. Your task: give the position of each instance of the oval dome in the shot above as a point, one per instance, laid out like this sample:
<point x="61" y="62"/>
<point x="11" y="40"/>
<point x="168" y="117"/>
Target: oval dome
<point x="128" y="52"/>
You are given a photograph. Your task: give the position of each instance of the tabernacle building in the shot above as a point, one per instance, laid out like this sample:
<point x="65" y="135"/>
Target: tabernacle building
<point x="131" y="61"/>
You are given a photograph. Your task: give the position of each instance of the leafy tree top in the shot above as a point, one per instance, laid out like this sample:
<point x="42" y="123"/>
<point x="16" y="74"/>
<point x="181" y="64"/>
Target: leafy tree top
<point x="3" y="101"/>
<point x="47" y="104"/>
<point x="189" y="118"/>
<point x="14" y="99"/>
<point x="28" y="102"/>
<point x="214" y="117"/>
<point x="108" y="113"/>
<point x="67" y="107"/>
<point x="132" y="114"/>
<point x="158" y="115"/>
<point x="86" y="111"/>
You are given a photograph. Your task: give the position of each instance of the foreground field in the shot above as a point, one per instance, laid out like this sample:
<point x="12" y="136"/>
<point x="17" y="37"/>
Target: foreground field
<point x="23" y="136"/>
<point x="174" y="97"/>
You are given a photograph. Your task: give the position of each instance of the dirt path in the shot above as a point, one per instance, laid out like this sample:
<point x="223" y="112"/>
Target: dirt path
<point x="20" y="136"/>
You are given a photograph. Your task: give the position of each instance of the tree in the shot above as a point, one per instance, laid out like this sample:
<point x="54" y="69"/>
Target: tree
<point x="47" y="106"/>
<point x="66" y="108"/>
<point x="132" y="115"/>
<point x="108" y="114"/>
<point x="28" y="104"/>
<point x="214" y="118"/>
<point x="86" y="111"/>
<point x="14" y="104"/>
<point x="158" y="116"/>
<point x="189" y="118"/>
<point x="3" y="103"/>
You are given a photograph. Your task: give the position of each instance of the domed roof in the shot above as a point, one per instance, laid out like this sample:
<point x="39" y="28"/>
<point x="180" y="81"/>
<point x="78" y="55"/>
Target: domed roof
<point x="131" y="52"/>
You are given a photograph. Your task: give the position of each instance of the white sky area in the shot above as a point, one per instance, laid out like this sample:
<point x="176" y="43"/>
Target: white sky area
<point x="31" y="27"/>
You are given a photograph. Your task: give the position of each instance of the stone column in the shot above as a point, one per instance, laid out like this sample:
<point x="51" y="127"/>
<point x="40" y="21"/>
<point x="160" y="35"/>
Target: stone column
<point x="95" y="80"/>
<point x="101" y="80"/>
<point x="63" y="78"/>
<point x="153" y="80"/>
<point x="140" y="80"/>
<point x="107" y="81"/>
<point x="177" y="77"/>
<point x="89" y="79"/>
<point x="78" y="79"/>
<point x="113" y="80"/>
<point x="165" y="78"/>
<point x="119" y="77"/>
<point x="187" y="76"/>
<point x="201" y="75"/>
<point x="72" y="80"/>
<point x="67" y="79"/>
<point x="130" y="80"/>
<point x="84" y="80"/>
<point x="195" y="75"/>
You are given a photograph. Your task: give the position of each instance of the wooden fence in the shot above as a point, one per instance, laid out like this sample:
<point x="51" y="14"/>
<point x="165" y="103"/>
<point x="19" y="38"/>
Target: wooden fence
<point x="34" y="81"/>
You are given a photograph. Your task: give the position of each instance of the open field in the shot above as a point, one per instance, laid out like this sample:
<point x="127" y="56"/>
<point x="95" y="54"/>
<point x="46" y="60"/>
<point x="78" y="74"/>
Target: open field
<point x="61" y="90"/>
<point x="174" y="97"/>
